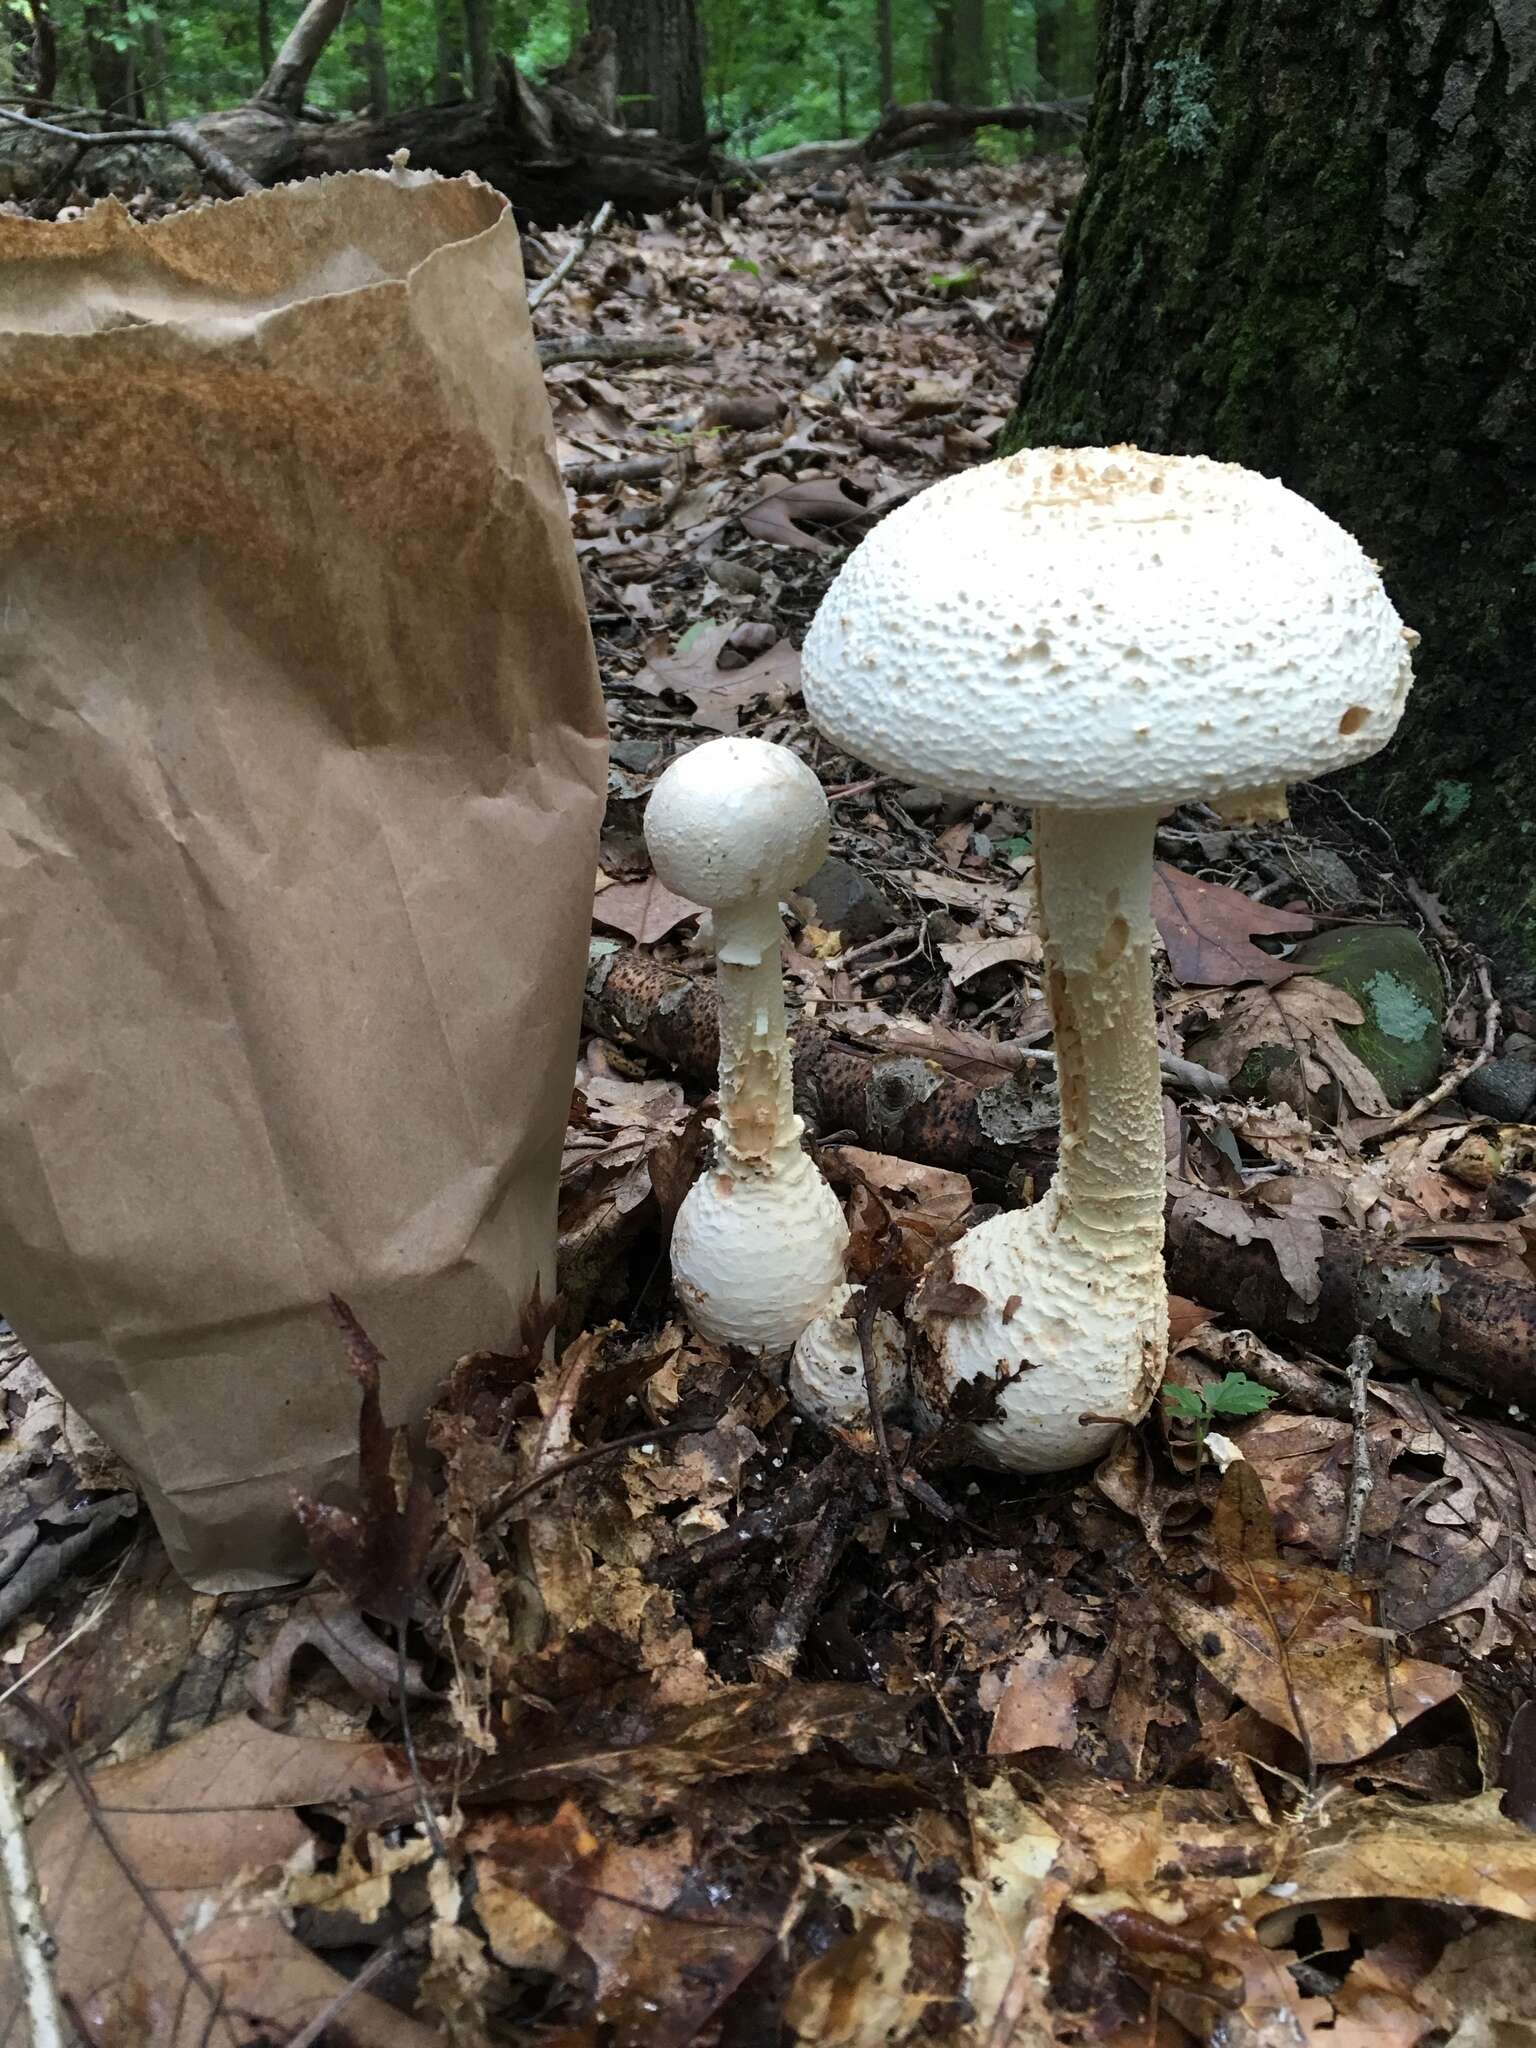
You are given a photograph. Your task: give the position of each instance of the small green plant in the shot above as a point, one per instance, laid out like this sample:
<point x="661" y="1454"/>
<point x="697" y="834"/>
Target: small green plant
<point x="745" y="263"/>
<point x="1198" y="1407"/>
<point x="949" y="283"/>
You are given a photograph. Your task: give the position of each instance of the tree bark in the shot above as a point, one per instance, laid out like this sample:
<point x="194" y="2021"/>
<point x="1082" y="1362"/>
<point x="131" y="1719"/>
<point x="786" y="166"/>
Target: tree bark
<point x="266" y="49"/>
<point x="661" y="67"/>
<point x="372" y="60"/>
<point x="972" y="70"/>
<point x="885" y="52"/>
<point x="1306" y="244"/>
<point x="941" y="51"/>
<point x="110" y="59"/>
<point x="284" y="84"/>
<point x="448" y="79"/>
<point x="479" y="30"/>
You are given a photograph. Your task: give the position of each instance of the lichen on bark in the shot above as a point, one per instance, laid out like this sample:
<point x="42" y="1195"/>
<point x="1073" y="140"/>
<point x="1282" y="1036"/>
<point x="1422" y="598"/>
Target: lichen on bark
<point x="1307" y="243"/>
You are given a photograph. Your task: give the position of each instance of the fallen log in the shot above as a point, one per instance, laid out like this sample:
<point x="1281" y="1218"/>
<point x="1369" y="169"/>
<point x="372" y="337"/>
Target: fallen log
<point x="894" y="1102"/>
<point x="1428" y="1311"/>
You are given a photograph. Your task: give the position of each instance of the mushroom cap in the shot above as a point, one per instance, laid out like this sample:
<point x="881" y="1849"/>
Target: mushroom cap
<point x="1099" y="628"/>
<point x="736" y="819"/>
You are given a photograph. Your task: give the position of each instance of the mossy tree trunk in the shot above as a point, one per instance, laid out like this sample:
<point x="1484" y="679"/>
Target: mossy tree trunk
<point x="1307" y="243"/>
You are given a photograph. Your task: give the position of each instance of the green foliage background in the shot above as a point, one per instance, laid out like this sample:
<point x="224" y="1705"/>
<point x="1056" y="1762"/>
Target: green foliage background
<point x="787" y="72"/>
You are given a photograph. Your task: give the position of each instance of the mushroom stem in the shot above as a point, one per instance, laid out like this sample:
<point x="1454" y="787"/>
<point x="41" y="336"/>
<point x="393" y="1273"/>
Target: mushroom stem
<point x="1093" y="870"/>
<point x="757" y="1116"/>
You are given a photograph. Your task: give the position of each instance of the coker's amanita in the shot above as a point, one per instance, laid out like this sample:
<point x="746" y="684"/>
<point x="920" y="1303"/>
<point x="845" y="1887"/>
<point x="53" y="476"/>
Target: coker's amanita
<point x="757" y="1248"/>
<point x="1100" y="634"/>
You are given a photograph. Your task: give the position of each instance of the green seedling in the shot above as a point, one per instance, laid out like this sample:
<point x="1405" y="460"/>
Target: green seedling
<point x="1198" y="1407"/>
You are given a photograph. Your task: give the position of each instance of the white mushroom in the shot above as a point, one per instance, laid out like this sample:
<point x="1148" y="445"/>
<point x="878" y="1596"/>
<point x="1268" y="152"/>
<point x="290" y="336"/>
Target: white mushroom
<point x="826" y="1368"/>
<point x="757" y="1248"/>
<point x="1099" y="633"/>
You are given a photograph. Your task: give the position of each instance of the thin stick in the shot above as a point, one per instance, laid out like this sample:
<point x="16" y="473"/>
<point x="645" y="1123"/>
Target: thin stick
<point x="1362" y="1356"/>
<point x="870" y="1305"/>
<point x="502" y="1509"/>
<point x="562" y="270"/>
<point x="1492" y="1012"/>
<point x="180" y="135"/>
<point x="310" y="2035"/>
<point x="786" y="1638"/>
<point x="33" y="1944"/>
<point x="617" y="348"/>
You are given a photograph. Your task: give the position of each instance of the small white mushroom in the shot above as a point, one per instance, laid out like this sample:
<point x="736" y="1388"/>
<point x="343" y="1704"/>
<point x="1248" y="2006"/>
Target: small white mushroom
<point x="1099" y="633"/>
<point x="826" y="1369"/>
<point x="757" y="1248"/>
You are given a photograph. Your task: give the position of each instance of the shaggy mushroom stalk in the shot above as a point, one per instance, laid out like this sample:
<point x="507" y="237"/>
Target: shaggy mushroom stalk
<point x="757" y="1247"/>
<point x="1101" y="634"/>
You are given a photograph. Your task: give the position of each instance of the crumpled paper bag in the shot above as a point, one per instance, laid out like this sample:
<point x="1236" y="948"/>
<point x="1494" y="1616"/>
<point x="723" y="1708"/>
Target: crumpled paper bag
<point x="303" y="771"/>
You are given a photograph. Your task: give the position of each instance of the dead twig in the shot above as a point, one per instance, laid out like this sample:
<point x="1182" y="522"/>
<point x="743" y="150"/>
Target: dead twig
<point x="31" y="1942"/>
<point x="617" y="348"/>
<point x="786" y="1638"/>
<point x="179" y="135"/>
<point x="585" y="238"/>
<point x="874" y="1297"/>
<point x="310" y="2035"/>
<point x="759" y="1528"/>
<point x="408" y="1741"/>
<point x="1492" y="1012"/>
<point x="1362" y="1356"/>
<point x="599" y="476"/>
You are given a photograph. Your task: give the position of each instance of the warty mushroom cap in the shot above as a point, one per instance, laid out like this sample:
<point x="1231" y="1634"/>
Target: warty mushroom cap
<point x="1102" y="628"/>
<point x="736" y="819"/>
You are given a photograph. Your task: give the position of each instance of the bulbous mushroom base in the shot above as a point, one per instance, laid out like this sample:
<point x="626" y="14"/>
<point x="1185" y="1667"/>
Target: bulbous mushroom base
<point x="826" y="1372"/>
<point x="755" y="1257"/>
<point x="1078" y="1335"/>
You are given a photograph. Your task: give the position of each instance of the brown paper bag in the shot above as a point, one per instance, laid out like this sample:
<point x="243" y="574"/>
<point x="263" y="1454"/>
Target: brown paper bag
<point x="303" y="769"/>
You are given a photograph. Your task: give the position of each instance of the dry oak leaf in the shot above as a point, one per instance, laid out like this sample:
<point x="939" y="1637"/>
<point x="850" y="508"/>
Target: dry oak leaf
<point x="1295" y="1239"/>
<point x="1305" y="1014"/>
<point x="791" y="504"/>
<point x="723" y="670"/>
<point x="1207" y="930"/>
<point x="188" y="1821"/>
<point x="644" y="911"/>
<point x="1462" y="1852"/>
<point x="966" y="958"/>
<point x="1297" y="1644"/>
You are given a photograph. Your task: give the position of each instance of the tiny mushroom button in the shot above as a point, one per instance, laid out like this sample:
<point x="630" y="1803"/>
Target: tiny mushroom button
<point x="1100" y="634"/>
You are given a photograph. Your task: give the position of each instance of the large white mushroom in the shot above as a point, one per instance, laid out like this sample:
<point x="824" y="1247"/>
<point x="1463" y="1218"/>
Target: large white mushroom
<point x="757" y="1248"/>
<point x="1100" y="634"/>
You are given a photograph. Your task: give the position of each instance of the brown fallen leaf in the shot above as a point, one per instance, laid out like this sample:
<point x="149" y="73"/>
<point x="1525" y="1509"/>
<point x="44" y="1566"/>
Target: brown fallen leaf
<point x="1037" y="1707"/>
<point x="644" y="911"/>
<point x="966" y="958"/>
<point x="1462" y="1852"/>
<point x="187" y="1822"/>
<point x="791" y="504"/>
<point x="659" y="1966"/>
<point x="724" y="670"/>
<point x="1297" y="1643"/>
<point x="1303" y="1014"/>
<point x="1207" y="930"/>
<point x="910" y="1189"/>
<point x="1296" y="1239"/>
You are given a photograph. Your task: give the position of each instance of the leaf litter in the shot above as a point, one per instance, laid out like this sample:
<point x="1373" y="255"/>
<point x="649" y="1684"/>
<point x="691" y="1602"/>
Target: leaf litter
<point x="1119" y="1755"/>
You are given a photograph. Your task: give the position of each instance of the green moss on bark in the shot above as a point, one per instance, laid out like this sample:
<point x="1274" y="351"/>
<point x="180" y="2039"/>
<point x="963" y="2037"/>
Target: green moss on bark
<point x="1308" y="243"/>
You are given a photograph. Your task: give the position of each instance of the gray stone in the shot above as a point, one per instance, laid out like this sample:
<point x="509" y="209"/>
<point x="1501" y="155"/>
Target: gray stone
<point x="1504" y="1089"/>
<point x="636" y="755"/>
<point x="1327" y="876"/>
<point x="848" y="903"/>
<point x="920" y="801"/>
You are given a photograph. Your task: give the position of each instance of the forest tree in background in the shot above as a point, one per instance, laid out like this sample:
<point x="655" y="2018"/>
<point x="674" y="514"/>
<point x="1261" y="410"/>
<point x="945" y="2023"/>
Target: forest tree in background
<point x="1308" y="244"/>
<point x="763" y="76"/>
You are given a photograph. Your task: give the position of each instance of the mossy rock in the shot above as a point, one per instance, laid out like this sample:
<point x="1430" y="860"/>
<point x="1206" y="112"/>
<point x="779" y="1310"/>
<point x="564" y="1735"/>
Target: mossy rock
<point x="1390" y="975"/>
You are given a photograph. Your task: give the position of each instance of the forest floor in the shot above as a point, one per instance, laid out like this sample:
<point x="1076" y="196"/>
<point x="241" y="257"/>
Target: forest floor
<point x="704" y="1725"/>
